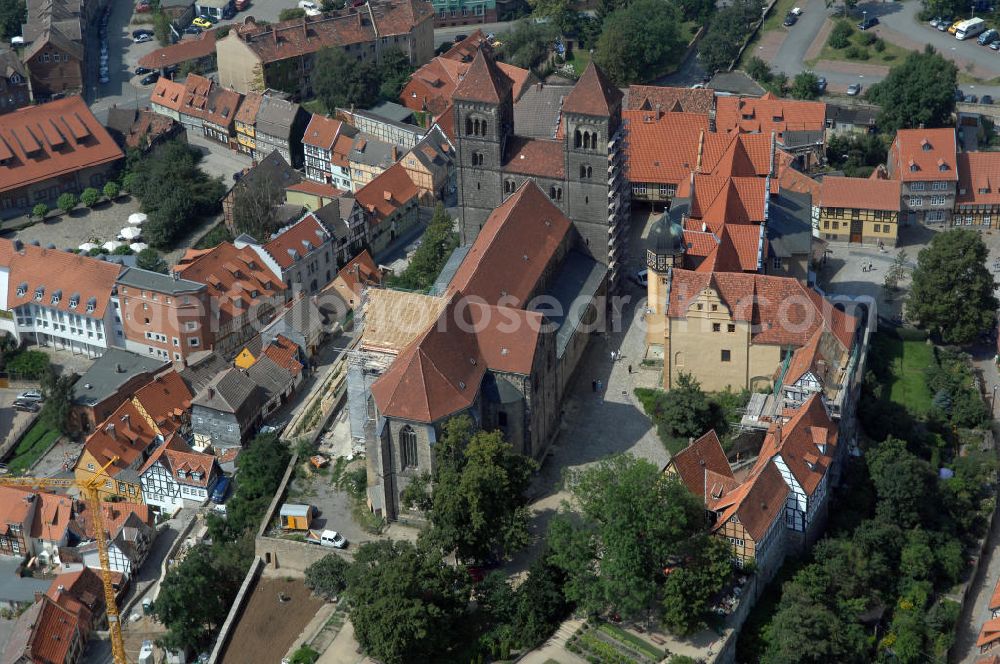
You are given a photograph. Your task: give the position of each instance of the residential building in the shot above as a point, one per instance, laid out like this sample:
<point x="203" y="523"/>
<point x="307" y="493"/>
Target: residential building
<point x="14" y="90"/>
<point x="265" y="182"/>
<point x="244" y="292"/>
<point x="141" y="129"/>
<point x="129" y="534"/>
<point x="194" y="55"/>
<point x="725" y="328"/>
<point x="464" y="12"/>
<point x="58" y="299"/>
<point x="853" y="119"/>
<point x="386" y="122"/>
<point x="506" y="376"/>
<point x="198" y="370"/>
<point x="81" y="592"/>
<point x="925" y="162"/>
<point x="282" y="56"/>
<point x="860" y="210"/>
<point x="700" y="465"/>
<point x="17" y="514"/>
<point x="217" y="9"/>
<point x="369" y="158"/>
<point x="46" y="633"/>
<point x="798" y="126"/>
<point x="989" y="635"/>
<point x="167" y="98"/>
<point x="227" y="411"/>
<point x="50" y="149"/>
<point x="312" y="195"/>
<point x="246" y="121"/>
<point x="666" y="99"/>
<point x="109" y="381"/>
<point x="432" y="86"/>
<point x="302" y="254"/>
<point x="352" y="279"/>
<point x="327" y="145"/>
<point x="277" y="373"/>
<point x="164" y="316"/>
<point x="280" y="125"/>
<point x="301" y="322"/>
<point x="176" y="476"/>
<point x="55" y="64"/>
<point x="977" y="202"/>
<point x="792" y="248"/>
<point x="390" y="203"/>
<point x="431" y="167"/>
<point x="653" y="177"/>
<point x="583" y="172"/>
<point x="348" y="222"/>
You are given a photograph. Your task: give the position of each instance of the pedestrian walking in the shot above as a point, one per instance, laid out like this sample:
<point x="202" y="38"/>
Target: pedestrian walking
<point x="630" y="369"/>
<point x="600" y="386"/>
<point x="612" y="356"/>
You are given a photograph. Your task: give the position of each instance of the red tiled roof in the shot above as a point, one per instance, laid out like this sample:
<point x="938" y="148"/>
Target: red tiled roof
<point x="797" y="442"/>
<point x="593" y="94"/>
<point x="663" y="148"/>
<point x="53" y="517"/>
<point x="302" y="237"/>
<point x="860" y="193"/>
<point x="432" y="87"/>
<point x="513" y="249"/>
<point x="232" y="275"/>
<point x="782" y="310"/>
<point x="284" y="353"/>
<point x="924" y="154"/>
<point x="15" y="507"/>
<point x="54" y="633"/>
<point x="360" y="271"/>
<point x="166" y="399"/>
<point x="717" y="200"/>
<point x="768" y="113"/>
<point x="125" y="434"/>
<point x="47" y="141"/>
<point x="738" y="249"/>
<point x="535" y="156"/>
<point x="183" y="51"/>
<point x="315" y="188"/>
<point x="742" y="155"/>
<point x="390" y="190"/>
<point x="321" y="131"/>
<point x="989" y="634"/>
<point x="484" y="81"/>
<point x="756" y="503"/>
<point x="793" y="180"/>
<point x="668" y="99"/>
<point x="168" y="93"/>
<point x="114" y="516"/>
<point x="80" y="592"/>
<point x="978" y="178"/>
<point x="465" y="50"/>
<point x="989" y="659"/>
<point x="58" y="273"/>
<point x="702" y="455"/>
<point x="995" y="597"/>
<point x="248" y="109"/>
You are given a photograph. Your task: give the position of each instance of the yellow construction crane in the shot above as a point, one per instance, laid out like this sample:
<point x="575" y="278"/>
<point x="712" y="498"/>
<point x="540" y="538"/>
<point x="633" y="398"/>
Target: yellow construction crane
<point x="90" y="492"/>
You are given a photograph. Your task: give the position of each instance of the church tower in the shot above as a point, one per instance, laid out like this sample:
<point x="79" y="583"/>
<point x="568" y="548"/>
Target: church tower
<point x="484" y="121"/>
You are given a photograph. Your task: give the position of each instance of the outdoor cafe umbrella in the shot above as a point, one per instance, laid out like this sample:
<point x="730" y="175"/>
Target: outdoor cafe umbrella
<point x="138" y="246"/>
<point x="129" y="233"/>
<point x="87" y="246"/>
<point x="137" y="218"/>
<point x="111" y="245"/>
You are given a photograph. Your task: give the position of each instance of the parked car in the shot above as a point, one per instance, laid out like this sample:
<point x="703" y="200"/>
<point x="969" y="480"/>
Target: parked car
<point x="986" y="99"/>
<point x="854" y="89"/>
<point x="959" y="95"/>
<point x="220" y="490"/>
<point x="869" y="22"/>
<point x="142" y="39"/>
<point x="821" y="84"/>
<point x="142" y="31"/>
<point x="329" y="538"/>
<point x="972" y="99"/>
<point x="242" y="5"/>
<point x="202" y="22"/>
<point x="142" y="71"/>
<point x="192" y="30"/>
<point x="995" y="44"/>
<point x="150" y="79"/>
<point x="988" y="37"/>
<point x="211" y="19"/>
<point x="934" y="22"/>
<point x="953" y="28"/>
<point x="790" y="20"/>
<point x="642" y="278"/>
<point x="27" y="406"/>
<point x="31" y="395"/>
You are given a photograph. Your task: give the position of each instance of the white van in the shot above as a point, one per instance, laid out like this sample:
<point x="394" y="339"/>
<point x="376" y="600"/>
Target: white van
<point x="970" y="28"/>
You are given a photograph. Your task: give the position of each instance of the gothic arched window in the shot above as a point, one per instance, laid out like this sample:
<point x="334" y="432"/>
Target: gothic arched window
<point x="576" y="138"/>
<point x="468" y="126"/>
<point x="408" y="447"/>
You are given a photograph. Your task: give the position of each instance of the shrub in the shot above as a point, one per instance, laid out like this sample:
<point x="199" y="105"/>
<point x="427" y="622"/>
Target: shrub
<point x="869" y="38"/>
<point x="66" y="202"/>
<point x="840" y="37"/>
<point x="90" y="196"/>
<point x="32" y="364"/>
<point x="111" y="190"/>
<point x="879" y="44"/>
<point x="857" y="53"/>
<point x="40" y="210"/>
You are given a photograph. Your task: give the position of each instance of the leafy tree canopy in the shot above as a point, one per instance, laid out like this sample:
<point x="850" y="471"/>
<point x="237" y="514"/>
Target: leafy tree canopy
<point x="528" y="43"/>
<point x="640" y="41"/>
<point x="436" y="247"/>
<point x="12" y="14"/>
<point x="952" y="291"/>
<point x="805" y="85"/>
<point x="727" y="32"/>
<point x="150" y="259"/>
<point x="920" y="91"/>
<point x="327" y="576"/>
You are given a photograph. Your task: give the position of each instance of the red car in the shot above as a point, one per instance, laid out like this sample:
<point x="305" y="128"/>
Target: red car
<point x="143" y="7"/>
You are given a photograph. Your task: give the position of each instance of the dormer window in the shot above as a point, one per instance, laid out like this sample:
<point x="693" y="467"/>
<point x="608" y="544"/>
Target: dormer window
<point x="74" y="301"/>
<point x="39" y="293"/>
<point x="22" y="289"/>
<point x="942" y="166"/>
<point x="925" y="145"/>
<point x="181" y="473"/>
<point x="984" y="190"/>
<point x="196" y="475"/>
<point x="57" y="297"/>
<point x="15" y="79"/>
<point x="91" y="305"/>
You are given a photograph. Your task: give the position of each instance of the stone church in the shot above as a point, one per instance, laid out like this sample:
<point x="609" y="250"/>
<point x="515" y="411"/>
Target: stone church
<point x="582" y="170"/>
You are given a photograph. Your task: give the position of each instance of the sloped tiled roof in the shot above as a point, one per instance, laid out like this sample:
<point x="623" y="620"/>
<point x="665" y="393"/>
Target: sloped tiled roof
<point x="432" y="86"/>
<point x="995" y="597"/>
<point x="51" y="633"/>
<point x="670" y="99"/>
<point x="166" y="399"/>
<point x="978" y="178"/>
<point x="360" y="271"/>
<point x="798" y="442"/>
<point x="295" y="241"/>
<point x="535" y="156"/>
<point x="989" y="633"/>
<point x="387" y="192"/>
<point x="924" y="154"/>
<point x="594" y="94"/>
<point x="183" y="51"/>
<point x="860" y="193"/>
<point x="322" y="131"/>
<point x="769" y="113"/>
<point x="125" y="434"/>
<point x="513" y="249"/>
<point x="703" y="455"/>
<point x="756" y="503"/>
<point x="663" y="148"/>
<point x="232" y="276"/>
<point x="484" y="81"/>
<point x="228" y="392"/>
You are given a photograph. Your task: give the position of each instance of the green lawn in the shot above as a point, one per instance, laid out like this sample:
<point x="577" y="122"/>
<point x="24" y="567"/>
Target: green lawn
<point x="889" y="56"/>
<point x="315" y="106"/>
<point x="31" y="448"/>
<point x="775" y="19"/>
<point x="580" y="58"/>
<point x="907" y="361"/>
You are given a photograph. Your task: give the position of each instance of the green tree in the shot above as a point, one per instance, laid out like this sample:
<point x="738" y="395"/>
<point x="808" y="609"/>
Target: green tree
<point x="150" y="259"/>
<point x="895" y="273"/>
<point x="527" y="44"/>
<point x="66" y="202"/>
<point x="12" y="14"/>
<point x="759" y="70"/>
<point x="904" y="483"/>
<point x="690" y="587"/>
<point x="405" y="602"/>
<point x="805" y="630"/>
<point x="327" y="576"/>
<point x="840" y="36"/>
<point x="478" y="505"/>
<point x="40" y="210"/>
<point x="685" y="410"/>
<point x="727" y="32"/>
<point x="916" y="560"/>
<point x="254" y="208"/>
<point x="195" y="595"/>
<point x="110" y="190"/>
<point x="394" y="70"/>
<point x="90" y="196"/>
<point x="640" y="41"/>
<point x="919" y="92"/>
<point x="289" y="13"/>
<point x="161" y="28"/>
<point x="342" y="82"/>
<point x="261" y="467"/>
<point x="561" y="13"/>
<point x="31" y="364"/>
<point x="805" y="85"/>
<point x="856" y="155"/>
<point x="436" y="247"/>
<point x="58" y="391"/>
<point x="952" y="289"/>
<point x="633" y="522"/>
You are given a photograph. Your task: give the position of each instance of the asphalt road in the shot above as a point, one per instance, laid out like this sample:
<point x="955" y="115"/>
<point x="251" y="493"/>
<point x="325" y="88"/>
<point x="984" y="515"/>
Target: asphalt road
<point x="443" y="35"/>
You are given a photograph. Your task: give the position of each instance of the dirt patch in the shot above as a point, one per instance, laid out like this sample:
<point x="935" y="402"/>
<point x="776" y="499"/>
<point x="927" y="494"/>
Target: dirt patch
<point x="820" y="40"/>
<point x="269" y="627"/>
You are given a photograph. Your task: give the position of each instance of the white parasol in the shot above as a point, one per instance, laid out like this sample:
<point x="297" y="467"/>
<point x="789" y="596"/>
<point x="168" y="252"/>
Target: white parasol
<point x="87" y="246"/>
<point x="129" y="233"/>
<point x="138" y="246"/>
<point x="137" y="218"/>
<point x="111" y="245"/>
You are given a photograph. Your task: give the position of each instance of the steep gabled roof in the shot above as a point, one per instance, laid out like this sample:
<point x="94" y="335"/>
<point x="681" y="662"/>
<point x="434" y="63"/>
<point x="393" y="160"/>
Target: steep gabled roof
<point x="698" y="458"/>
<point x="756" y="503"/>
<point x="594" y="94"/>
<point x="484" y="81"/>
<point x="798" y="443"/>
